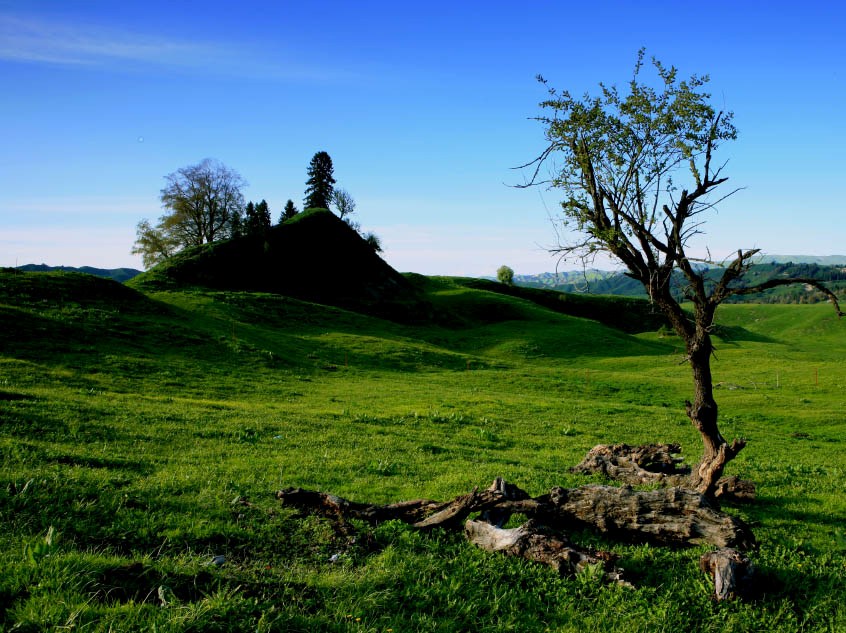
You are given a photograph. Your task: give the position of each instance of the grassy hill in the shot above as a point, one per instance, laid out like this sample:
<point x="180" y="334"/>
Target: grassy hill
<point x="314" y="256"/>
<point x="145" y="430"/>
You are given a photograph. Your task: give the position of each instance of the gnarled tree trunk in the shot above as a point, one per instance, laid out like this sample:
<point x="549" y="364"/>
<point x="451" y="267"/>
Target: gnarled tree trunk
<point x="703" y="414"/>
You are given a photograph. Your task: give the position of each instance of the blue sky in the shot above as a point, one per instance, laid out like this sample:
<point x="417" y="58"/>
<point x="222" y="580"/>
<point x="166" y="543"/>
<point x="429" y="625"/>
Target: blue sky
<point x="425" y="109"/>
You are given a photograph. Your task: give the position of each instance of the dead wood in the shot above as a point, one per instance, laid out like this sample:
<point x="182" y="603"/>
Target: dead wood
<point x="655" y="464"/>
<point x="668" y="516"/>
<point x="537" y="543"/>
<point x="730" y="570"/>
<point x="334" y="506"/>
<point x="735" y="489"/>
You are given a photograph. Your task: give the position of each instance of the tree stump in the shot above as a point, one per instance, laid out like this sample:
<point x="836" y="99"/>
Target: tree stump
<point x="730" y="570"/>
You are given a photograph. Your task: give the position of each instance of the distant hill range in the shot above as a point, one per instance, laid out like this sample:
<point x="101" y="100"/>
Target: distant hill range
<point x="118" y="274"/>
<point x="292" y="266"/>
<point x="829" y="269"/>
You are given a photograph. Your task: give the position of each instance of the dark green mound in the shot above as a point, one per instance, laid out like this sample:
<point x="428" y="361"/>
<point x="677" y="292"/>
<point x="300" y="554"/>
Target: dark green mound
<point x="62" y="289"/>
<point x="315" y="256"/>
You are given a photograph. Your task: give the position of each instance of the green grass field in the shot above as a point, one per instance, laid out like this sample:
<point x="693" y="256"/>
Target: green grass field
<point x="142" y="435"/>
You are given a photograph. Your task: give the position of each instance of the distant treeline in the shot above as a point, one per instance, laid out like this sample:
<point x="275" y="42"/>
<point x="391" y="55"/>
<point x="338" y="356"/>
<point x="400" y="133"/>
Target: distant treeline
<point x="616" y="283"/>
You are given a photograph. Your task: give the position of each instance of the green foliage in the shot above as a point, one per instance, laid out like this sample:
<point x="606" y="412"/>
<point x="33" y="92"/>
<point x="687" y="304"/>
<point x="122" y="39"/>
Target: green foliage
<point x="505" y="275"/>
<point x="150" y="431"/>
<point x="204" y="204"/>
<point x="626" y="148"/>
<point x="321" y="182"/>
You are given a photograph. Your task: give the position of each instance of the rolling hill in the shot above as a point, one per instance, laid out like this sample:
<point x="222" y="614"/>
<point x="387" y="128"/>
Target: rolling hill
<point x="144" y="430"/>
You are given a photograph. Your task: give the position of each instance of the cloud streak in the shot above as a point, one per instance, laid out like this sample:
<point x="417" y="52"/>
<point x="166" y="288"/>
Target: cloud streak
<point x="39" y="41"/>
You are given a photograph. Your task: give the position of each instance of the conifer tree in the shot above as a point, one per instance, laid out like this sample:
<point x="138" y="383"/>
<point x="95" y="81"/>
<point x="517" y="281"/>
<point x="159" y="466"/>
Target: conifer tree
<point x="289" y="211"/>
<point x="263" y="216"/>
<point x="321" y="182"/>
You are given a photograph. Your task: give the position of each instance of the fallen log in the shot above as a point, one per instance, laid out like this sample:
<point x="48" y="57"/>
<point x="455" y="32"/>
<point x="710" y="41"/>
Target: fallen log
<point x="668" y="516"/>
<point x="334" y="506"/>
<point x="536" y="543"/>
<point x="730" y="570"/>
<point x="655" y="464"/>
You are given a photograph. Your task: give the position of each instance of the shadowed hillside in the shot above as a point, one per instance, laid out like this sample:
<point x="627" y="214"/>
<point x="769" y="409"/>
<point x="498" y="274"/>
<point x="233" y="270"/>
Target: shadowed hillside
<point x="315" y="256"/>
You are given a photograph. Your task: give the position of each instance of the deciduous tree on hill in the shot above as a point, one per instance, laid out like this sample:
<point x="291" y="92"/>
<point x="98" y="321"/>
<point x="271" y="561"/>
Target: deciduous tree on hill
<point x="505" y="275"/>
<point x="620" y="159"/>
<point x="343" y="204"/>
<point x="203" y="204"/>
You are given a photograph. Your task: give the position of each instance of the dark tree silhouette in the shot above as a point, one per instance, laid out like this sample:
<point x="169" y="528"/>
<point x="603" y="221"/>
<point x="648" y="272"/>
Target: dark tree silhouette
<point x="289" y="211"/>
<point x="320" y="183"/>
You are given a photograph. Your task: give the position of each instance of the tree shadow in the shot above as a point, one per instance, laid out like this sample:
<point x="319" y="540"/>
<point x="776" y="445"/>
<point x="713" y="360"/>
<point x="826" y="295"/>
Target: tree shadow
<point x="735" y="333"/>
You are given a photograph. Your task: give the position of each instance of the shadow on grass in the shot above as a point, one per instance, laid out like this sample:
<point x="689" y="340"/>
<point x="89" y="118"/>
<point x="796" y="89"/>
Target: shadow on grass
<point x="735" y="333"/>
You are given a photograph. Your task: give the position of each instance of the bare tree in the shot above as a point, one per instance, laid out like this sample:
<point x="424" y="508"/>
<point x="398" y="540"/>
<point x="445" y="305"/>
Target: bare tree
<point x="617" y="159"/>
<point x="343" y="204"/>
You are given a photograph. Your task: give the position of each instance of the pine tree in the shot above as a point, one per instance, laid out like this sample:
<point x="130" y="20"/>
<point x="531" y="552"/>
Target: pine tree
<point x="320" y="183"/>
<point x="250" y="219"/>
<point x="289" y="211"/>
<point x="263" y="216"/>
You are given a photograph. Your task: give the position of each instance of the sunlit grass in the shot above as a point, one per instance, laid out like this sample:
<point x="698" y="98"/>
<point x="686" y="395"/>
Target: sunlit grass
<point x="151" y="433"/>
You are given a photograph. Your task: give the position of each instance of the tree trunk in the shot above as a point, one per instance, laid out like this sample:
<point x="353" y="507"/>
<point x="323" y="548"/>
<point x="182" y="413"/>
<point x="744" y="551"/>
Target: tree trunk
<point x="703" y="413"/>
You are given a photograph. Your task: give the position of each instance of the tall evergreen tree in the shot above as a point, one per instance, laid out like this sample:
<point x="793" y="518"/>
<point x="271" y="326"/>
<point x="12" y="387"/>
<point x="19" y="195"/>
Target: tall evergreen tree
<point x="257" y="218"/>
<point x="321" y="183"/>
<point x="250" y="219"/>
<point x="263" y="216"/>
<point x="289" y="211"/>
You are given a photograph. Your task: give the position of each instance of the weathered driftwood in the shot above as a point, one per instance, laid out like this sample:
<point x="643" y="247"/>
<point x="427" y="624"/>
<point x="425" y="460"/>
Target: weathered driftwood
<point x="730" y="570"/>
<point x="537" y="543"/>
<point x="670" y="516"/>
<point x="654" y="464"/>
<point x="332" y="505"/>
<point x="734" y="488"/>
<point x="650" y="463"/>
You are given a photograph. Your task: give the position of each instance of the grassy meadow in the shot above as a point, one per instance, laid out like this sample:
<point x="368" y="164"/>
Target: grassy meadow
<point x="145" y="434"/>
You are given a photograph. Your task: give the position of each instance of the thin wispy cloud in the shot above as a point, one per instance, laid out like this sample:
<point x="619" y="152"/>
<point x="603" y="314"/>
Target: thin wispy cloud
<point x="39" y="41"/>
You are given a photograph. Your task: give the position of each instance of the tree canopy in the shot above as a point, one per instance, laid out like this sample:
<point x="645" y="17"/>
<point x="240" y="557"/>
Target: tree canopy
<point x="505" y="275"/>
<point x="203" y="203"/>
<point x="342" y="203"/>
